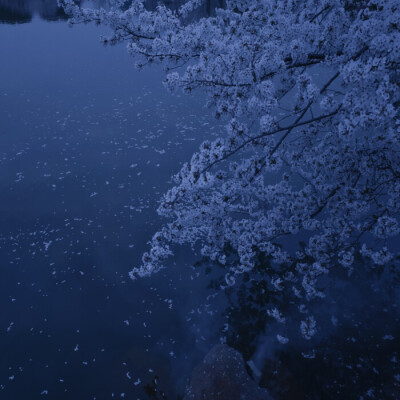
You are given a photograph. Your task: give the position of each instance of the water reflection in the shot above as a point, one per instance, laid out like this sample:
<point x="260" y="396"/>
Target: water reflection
<point x="22" y="11"/>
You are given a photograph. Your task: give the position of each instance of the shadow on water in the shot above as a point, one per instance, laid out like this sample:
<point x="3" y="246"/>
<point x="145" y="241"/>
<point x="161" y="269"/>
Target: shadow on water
<point x="355" y="351"/>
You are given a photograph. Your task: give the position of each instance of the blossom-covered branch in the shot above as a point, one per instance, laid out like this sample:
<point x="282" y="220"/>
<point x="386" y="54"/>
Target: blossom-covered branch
<point x="310" y="92"/>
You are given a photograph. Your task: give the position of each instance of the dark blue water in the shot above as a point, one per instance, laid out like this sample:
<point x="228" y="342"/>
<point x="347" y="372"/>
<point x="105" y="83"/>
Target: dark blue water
<point x="87" y="146"/>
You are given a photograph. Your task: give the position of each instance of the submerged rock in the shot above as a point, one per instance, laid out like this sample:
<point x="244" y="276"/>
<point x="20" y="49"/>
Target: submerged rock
<point x="222" y="376"/>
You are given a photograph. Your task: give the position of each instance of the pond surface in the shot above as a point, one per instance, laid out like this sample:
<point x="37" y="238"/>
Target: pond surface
<point x="87" y="147"/>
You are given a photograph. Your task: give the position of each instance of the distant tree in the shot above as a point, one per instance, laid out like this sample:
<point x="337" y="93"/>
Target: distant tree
<point x="310" y="91"/>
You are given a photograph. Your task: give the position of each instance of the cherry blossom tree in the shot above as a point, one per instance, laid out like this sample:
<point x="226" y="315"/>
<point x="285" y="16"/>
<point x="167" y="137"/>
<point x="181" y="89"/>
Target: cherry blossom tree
<point x="310" y="92"/>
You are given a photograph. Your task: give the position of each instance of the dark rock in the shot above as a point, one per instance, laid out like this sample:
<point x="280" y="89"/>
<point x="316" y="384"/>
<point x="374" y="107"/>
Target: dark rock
<point x="222" y="376"/>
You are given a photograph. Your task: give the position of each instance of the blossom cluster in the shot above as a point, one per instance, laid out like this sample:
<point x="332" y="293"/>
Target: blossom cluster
<point x="310" y="92"/>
